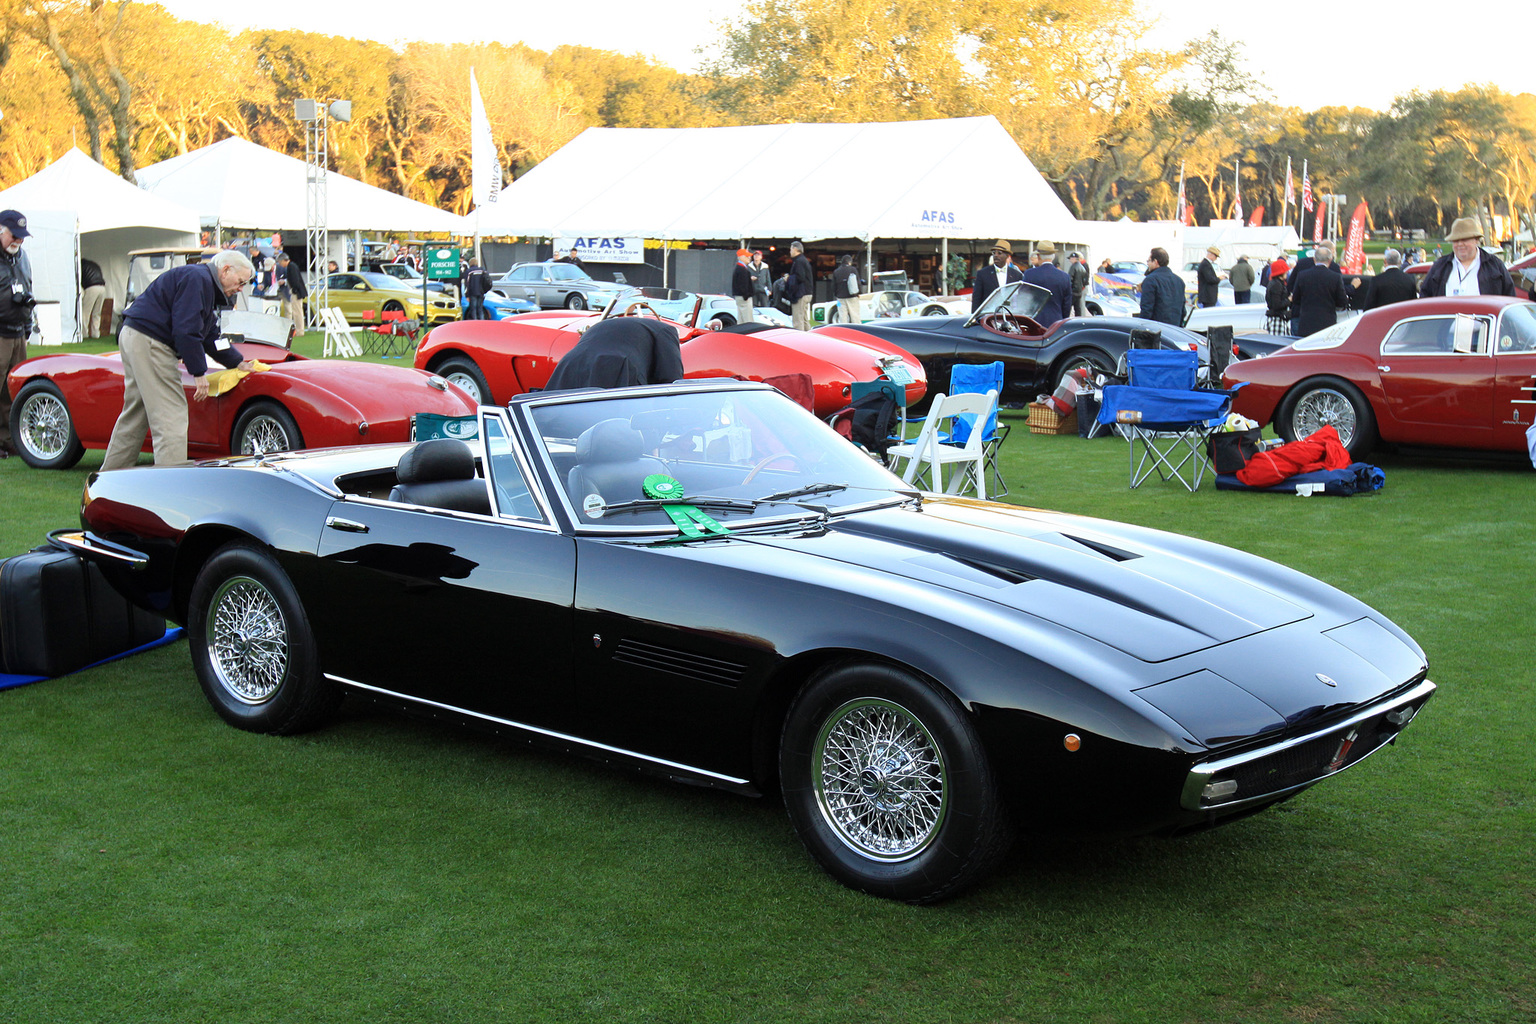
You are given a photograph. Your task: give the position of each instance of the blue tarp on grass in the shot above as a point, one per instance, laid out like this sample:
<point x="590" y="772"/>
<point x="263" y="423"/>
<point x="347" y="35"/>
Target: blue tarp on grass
<point x="173" y="633"/>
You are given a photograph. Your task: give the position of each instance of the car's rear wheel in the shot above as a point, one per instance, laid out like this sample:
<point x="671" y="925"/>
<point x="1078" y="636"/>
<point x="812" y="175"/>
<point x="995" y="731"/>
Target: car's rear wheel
<point x="575" y="300"/>
<point x="1084" y="358"/>
<point x="1328" y="402"/>
<point x="42" y="429"/>
<point x="252" y="648"/>
<point x="463" y="373"/>
<point x="263" y="428"/>
<point x="726" y="320"/>
<point x="935" y="311"/>
<point x="888" y="786"/>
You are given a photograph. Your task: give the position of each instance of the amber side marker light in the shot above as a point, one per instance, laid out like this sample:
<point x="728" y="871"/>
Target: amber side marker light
<point x="1072" y="741"/>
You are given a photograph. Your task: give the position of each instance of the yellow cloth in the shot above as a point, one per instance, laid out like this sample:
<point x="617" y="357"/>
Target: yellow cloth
<point x="221" y="381"/>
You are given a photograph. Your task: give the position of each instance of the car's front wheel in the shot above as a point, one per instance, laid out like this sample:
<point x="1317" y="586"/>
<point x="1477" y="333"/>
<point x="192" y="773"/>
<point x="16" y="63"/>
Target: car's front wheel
<point x="888" y="786"/>
<point x="466" y="376"/>
<point x="1328" y="402"/>
<point x="42" y="428"/>
<point x="263" y="428"/>
<point x="575" y="300"/>
<point x="251" y="644"/>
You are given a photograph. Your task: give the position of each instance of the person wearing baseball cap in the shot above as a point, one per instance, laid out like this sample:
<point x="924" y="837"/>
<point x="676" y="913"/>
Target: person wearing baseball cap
<point x="1467" y="269"/>
<point x="994" y="275"/>
<point x="16" y="304"/>
<point x="743" y="286"/>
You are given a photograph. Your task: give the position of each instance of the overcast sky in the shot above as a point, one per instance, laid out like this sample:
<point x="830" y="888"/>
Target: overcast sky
<point x="1371" y="51"/>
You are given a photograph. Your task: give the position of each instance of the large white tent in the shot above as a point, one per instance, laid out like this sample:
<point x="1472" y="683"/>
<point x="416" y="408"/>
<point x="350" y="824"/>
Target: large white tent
<point x="961" y="178"/>
<point x="1236" y="239"/>
<point x="240" y="186"/>
<point x="95" y="215"/>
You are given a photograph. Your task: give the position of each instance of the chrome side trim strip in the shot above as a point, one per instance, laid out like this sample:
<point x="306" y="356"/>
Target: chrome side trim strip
<point x="1201" y="774"/>
<point x="564" y="737"/>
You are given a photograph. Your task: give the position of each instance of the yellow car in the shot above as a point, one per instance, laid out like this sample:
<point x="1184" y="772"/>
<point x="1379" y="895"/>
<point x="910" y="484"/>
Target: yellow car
<point x="364" y="297"/>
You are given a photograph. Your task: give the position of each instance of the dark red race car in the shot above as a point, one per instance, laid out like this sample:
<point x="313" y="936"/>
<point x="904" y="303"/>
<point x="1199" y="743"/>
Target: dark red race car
<point x="64" y="404"/>
<point x="1440" y="372"/>
<point x="494" y="360"/>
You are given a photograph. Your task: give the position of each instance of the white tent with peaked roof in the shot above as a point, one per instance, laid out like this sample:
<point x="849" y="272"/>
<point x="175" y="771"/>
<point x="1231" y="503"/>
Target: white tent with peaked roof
<point x="960" y="178"/>
<point x="241" y="186"/>
<point x="109" y="217"/>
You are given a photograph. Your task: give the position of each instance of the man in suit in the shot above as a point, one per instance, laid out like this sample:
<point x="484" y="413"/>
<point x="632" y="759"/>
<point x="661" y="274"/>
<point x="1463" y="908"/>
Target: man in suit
<point x="1046" y="274"/>
<point x="1162" y="291"/>
<point x="802" y="286"/>
<point x="1318" y="295"/>
<point x="1208" y="279"/>
<point x="994" y="275"/>
<point x="1391" y="285"/>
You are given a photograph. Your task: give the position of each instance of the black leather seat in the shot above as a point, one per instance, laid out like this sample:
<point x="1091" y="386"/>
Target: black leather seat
<point x="610" y="463"/>
<point x="440" y="473"/>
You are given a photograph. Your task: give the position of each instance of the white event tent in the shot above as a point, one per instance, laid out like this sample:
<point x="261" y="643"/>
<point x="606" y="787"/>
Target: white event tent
<point x="237" y="185"/>
<point x="960" y="178"/>
<point x="1236" y="239"/>
<point x="77" y="209"/>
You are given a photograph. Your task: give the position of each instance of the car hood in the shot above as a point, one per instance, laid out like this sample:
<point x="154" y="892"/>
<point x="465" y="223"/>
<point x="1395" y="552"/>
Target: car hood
<point x="381" y="393"/>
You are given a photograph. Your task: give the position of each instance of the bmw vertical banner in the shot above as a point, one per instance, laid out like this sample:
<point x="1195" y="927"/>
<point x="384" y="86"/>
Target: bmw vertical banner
<point x="603" y="250"/>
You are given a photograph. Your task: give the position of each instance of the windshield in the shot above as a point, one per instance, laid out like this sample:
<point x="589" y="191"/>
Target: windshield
<point x="260" y="327"/>
<point x="741" y="456"/>
<point x="1018" y="297"/>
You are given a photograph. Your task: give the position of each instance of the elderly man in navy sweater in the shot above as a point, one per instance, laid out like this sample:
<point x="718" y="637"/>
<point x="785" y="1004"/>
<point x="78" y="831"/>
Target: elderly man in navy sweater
<point x="175" y="320"/>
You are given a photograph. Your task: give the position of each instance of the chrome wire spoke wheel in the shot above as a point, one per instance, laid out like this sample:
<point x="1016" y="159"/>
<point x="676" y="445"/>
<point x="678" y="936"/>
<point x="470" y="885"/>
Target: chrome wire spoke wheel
<point x="1324" y="407"/>
<point x="247" y="640"/>
<point x="44" y="426"/>
<point x="880" y="779"/>
<point x="264" y="434"/>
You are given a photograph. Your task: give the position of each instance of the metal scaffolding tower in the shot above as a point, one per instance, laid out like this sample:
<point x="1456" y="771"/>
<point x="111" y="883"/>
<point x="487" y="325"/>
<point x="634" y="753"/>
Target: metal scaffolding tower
<point x="316" y="115"/>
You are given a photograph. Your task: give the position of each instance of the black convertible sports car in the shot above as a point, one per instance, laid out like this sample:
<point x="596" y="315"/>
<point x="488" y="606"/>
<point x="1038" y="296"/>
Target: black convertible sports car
<point x="1034" y="357"/>
<point x="704" y="581"/>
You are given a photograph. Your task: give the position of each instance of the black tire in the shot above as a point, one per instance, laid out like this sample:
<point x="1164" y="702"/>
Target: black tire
<point x="1094" y="309"/>
<point x="1328" y="401"/>
<point x="575" y="300"/>
<point x="392" y="307"/>
<point x="42" y="428"/>
<point x="726" y="320"/>
<point x="913" y="815"/>
<point x="265" y="427"/>
<point x="252" y="647"/>
<point x="1092" y="358"/>
<point x="461" y="370"/>
<point x="936" y="311"/>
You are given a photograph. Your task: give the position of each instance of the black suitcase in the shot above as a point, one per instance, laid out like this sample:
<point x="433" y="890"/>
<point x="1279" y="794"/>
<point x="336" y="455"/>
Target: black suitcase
<point x="58" y="614"/>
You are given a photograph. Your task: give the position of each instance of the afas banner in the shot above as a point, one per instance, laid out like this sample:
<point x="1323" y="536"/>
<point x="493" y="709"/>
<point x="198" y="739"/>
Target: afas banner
<point x="603" y="250"/>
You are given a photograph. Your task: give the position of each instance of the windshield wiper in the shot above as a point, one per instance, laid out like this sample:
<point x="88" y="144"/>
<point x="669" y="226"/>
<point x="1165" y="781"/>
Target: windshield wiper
<point x="802" y="491"/>
<point x="702" y="501"/>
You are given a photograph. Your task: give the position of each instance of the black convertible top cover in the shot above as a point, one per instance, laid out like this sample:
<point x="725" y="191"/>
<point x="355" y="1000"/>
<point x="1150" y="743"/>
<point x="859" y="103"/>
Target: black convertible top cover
<point x="620" y="352"/>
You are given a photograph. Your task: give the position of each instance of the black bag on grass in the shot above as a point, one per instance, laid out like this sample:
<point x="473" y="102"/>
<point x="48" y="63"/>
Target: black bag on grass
<point x="1230" y="450"/>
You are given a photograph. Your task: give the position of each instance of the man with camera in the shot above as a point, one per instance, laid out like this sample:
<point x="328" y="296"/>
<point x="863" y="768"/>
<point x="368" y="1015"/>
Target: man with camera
<point x="16" y="304"/>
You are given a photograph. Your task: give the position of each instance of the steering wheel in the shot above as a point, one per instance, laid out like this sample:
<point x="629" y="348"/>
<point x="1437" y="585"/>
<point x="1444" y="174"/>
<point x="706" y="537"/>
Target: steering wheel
<point x="1001" y="323"/>
<point x="635" y="307"/>
<point x="752" y="473"/>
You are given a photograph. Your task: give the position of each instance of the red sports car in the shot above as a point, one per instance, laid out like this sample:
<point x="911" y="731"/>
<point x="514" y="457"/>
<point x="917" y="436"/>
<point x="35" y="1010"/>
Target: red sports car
<point x="64" y="404"/>
<point x="494" y="360"/>
<point x="1440" y="372"/>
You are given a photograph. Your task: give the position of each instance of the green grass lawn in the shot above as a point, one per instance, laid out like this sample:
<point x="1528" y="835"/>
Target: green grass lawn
<point x="161" y="866"/>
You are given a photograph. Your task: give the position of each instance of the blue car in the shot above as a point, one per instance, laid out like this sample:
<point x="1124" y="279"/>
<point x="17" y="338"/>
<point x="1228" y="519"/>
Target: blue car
<point x="499" y="307"/>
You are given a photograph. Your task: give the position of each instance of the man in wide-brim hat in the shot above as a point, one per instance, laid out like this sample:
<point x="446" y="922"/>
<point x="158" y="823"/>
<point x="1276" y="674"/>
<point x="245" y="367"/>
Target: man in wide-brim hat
<point x="1467" y="269"/>
<point x="995" y="274"/>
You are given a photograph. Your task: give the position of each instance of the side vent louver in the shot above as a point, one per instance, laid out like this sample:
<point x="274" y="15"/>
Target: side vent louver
<point x="678" y="662"/>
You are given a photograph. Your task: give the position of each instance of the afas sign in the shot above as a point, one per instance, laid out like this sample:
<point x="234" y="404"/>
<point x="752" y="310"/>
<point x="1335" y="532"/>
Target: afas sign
<point x="603" y="250"/>
<point x="942" y="219"/>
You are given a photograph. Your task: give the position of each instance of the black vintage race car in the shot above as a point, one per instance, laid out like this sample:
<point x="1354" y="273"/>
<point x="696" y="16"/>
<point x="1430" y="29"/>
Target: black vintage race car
<point x="1034" y="357"/>
<point x="702" y="580"/>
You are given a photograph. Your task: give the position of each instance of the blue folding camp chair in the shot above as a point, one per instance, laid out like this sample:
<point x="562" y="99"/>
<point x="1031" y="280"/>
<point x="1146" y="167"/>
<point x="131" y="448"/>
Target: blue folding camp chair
<point x="978" y="379"/>
<point x="1164" y="416"/>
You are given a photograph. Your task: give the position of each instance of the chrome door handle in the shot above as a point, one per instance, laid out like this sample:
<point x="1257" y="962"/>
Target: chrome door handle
<point x="1384" y="369"/>
<point x="338" y="523"/>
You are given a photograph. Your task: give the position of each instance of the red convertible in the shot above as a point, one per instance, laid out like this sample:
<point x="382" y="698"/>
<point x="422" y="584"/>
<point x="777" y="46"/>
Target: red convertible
<point x="1439" y="372"/>
<point x="493" y="360"/>
<point x="64" y="404"/>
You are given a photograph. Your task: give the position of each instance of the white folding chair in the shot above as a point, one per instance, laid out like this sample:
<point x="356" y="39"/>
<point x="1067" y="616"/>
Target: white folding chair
<point x="340" y="337"/>
<point x="969" y="458"/>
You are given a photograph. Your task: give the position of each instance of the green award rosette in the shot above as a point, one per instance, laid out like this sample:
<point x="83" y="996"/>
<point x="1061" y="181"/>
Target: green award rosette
<point x="689" y="520"/>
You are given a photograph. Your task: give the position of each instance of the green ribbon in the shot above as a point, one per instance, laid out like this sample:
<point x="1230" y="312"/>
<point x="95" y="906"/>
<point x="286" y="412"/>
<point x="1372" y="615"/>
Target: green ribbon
<point x="689" y="520"/>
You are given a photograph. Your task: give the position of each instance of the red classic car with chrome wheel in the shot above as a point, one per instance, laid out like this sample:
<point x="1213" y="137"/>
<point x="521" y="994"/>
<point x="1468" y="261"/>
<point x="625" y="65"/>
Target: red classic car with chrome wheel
<point x="1441" y="372"/>
<point x="63" y="404"/>
<point x="495" y="360"/>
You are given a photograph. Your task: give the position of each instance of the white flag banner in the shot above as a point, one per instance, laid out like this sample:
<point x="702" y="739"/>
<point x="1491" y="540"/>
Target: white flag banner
<point x="484" y="160"/>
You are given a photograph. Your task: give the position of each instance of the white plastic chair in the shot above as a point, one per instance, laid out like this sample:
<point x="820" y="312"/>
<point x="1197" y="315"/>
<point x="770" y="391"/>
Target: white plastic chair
<point x="340" y="337"/>
<point x="931" y="452"/>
